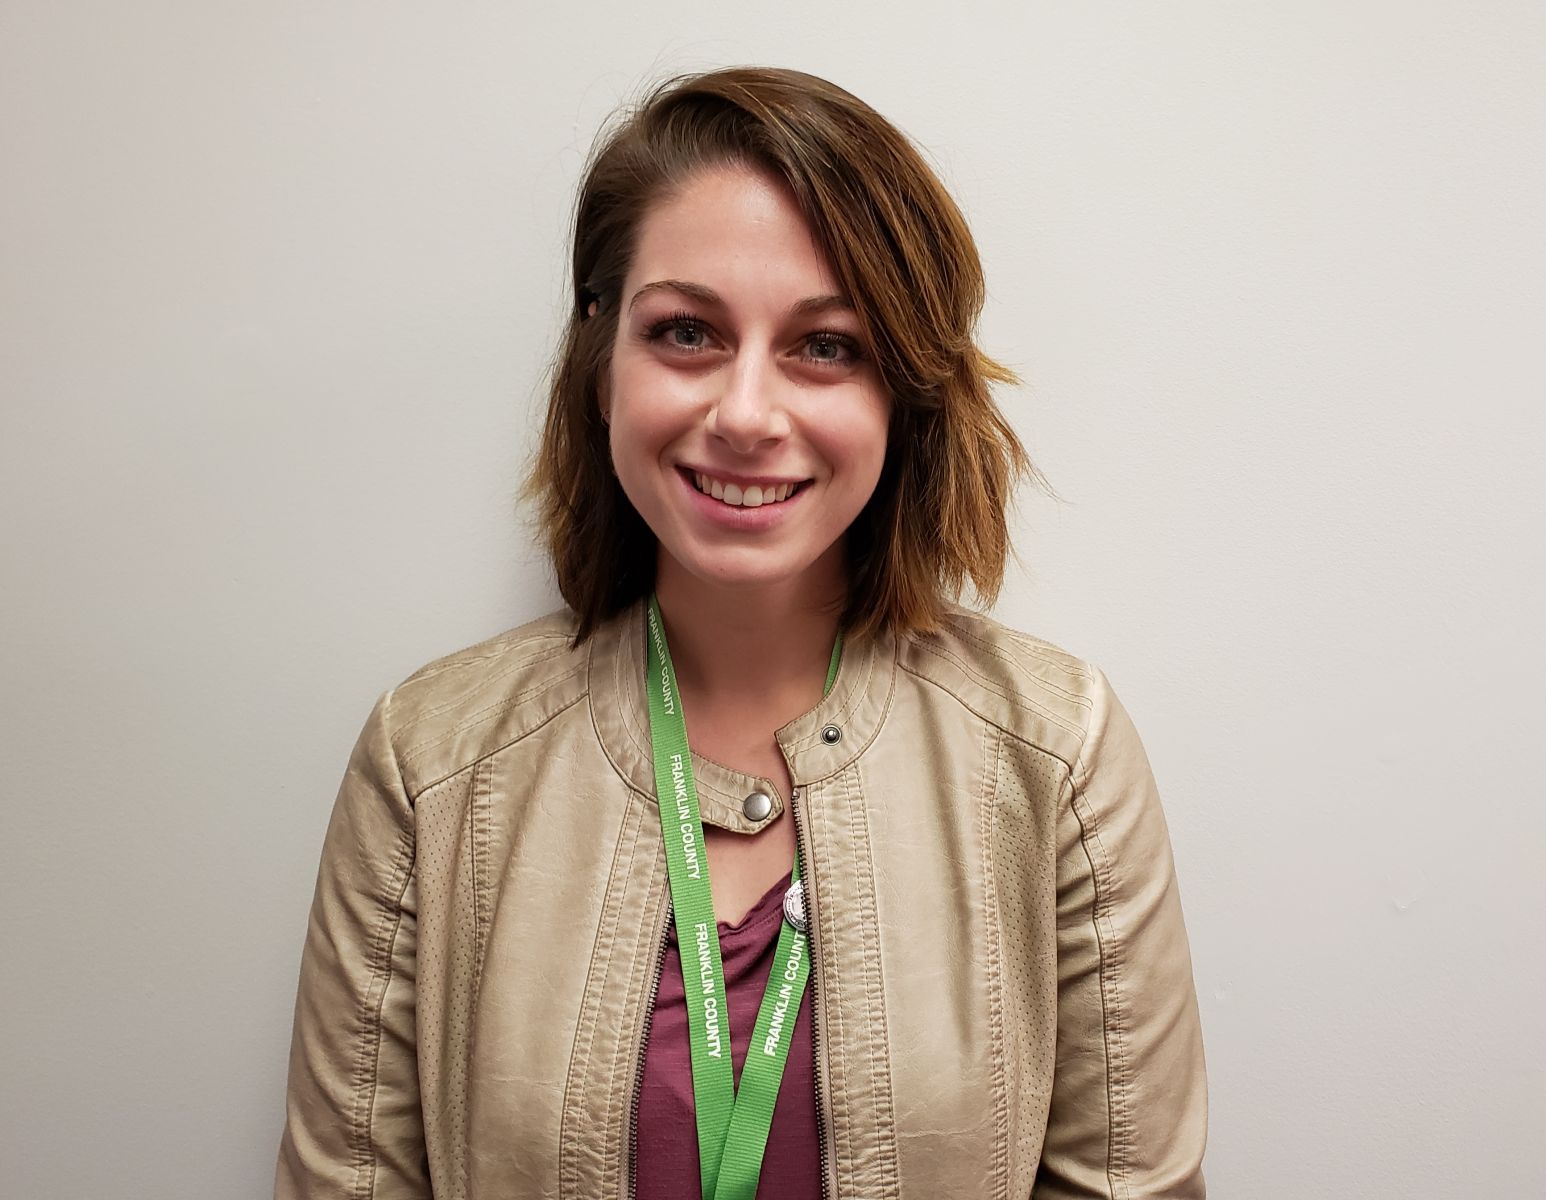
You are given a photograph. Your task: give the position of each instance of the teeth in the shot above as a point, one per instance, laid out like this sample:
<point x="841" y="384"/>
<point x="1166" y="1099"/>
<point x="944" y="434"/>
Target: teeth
<point x="748" y="497"/>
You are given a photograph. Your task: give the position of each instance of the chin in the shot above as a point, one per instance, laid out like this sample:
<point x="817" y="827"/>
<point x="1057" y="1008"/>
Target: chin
<point x="731" y="575"/>
<point x="748" y="571"/>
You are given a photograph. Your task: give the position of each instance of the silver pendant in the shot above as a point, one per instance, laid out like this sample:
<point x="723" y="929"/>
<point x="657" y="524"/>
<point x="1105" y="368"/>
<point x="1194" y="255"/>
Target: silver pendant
<point x="794" y="906"/>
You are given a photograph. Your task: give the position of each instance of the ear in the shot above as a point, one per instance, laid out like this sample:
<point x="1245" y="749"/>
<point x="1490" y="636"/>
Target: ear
<point x="604" y="397"/>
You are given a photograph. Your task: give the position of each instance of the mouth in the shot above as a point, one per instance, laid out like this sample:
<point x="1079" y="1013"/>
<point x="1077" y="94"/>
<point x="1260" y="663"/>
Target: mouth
<point x="734" y="495"/>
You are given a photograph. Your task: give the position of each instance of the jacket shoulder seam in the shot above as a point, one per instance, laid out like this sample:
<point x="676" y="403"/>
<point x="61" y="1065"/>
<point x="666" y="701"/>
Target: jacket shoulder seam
<point x="512" y="684"/>
<point x="1014" y="700"/>
<point x="1034" y="647"/>
<point x="488" y="752"/>
<point x="503" y="703"/>
<point x="538" y="648"/>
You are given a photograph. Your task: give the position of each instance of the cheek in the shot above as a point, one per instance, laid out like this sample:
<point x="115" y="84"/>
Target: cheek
<point x="859" y="441"/>
<point x="646" y="398"/>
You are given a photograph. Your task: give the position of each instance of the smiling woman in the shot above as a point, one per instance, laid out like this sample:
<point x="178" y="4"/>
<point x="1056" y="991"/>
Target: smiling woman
<point x="749" y="219"/>
<point x="763" y="867"/>
<point x="762" y="383"/>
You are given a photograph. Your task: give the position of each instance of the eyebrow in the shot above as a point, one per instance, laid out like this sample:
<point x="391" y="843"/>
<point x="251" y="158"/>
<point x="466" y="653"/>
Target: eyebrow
<point x="708" y="296"/>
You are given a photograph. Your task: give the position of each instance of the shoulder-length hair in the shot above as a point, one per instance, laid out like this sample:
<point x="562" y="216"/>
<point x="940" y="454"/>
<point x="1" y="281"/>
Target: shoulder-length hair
<point x="901" y="251"/>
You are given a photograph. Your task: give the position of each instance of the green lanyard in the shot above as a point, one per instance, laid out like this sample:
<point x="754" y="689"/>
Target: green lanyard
<point x="732" y="1125"/>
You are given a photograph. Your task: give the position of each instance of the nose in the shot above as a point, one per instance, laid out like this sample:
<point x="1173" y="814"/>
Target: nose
<point x="748" y="410"/>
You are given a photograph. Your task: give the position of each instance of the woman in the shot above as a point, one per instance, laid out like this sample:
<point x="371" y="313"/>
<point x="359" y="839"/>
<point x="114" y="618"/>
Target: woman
<point x="932" y="943"/>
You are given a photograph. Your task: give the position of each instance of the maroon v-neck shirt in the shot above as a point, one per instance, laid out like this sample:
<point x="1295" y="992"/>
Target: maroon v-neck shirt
<point x="667" y="1165"/>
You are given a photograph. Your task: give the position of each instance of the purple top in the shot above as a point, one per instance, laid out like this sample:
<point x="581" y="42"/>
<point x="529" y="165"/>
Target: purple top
<point x="668" y="1132"/>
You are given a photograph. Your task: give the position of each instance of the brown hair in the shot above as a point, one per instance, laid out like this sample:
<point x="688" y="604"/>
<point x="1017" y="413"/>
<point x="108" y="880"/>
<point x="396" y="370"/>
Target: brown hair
<point x="903" y="254"/>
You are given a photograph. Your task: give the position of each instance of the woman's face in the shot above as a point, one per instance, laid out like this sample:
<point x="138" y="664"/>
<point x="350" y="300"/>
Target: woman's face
<point x="748" y="421"/>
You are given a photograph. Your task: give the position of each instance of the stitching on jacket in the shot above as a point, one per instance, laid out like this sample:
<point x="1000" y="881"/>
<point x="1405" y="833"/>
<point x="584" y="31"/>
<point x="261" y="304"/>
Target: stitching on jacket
<point x="987" y="718"/>
<point x="1030" y="652"/>
<point x="706" y="785"/>
<point x="432" y="672"/>
<point x="987" y="686"/>
<point x="643" y="762"/>
<point x="1016" y="698"/>
<point x="1038" y="648"/>
<point x="832" y="986"/>
<point x="482" y="840"/>
<point x="879" y="1041"/>
<point x="622" y="668"/>
<point x="640" y="736"/>
<point x="875" y="663"/>
<point x="635" y="726"/>
<point x="487" y="685"/>
<point x="1031" y="646"/>
<point x="637" y="729"/>
<point x="368" y="1056"/>
<point x="878" y="663"/>
<point x="1120" y="1127"/>
<point x="522" y="735"/>
<point x="614" y="904"/>
<point x="496" y="646"/>
<point x="383" y="944"/>
<point x="646" y="945"/>
<point x="482" y="715"/>
<point x="620" y="1096"/>
<point x="569" y="1140"/>
<point x="987" y="817"/>
<point x="861" y="690"/>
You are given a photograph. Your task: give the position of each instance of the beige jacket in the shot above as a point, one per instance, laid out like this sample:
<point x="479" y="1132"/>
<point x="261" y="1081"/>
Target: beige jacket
<point x="1002" y="986"/>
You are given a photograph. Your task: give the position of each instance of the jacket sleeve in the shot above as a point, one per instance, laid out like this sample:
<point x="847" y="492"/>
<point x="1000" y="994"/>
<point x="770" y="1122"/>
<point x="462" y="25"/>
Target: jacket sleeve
<point x="353" y="1124"/>
<point x="1129" y="1106"/>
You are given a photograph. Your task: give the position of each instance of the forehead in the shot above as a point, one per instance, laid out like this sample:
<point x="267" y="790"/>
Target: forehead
<point x="735" y="229"/>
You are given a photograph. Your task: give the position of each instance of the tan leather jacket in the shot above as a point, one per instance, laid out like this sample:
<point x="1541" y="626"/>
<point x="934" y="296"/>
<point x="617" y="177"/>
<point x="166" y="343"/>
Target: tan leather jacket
<point x="1003" y="994"/>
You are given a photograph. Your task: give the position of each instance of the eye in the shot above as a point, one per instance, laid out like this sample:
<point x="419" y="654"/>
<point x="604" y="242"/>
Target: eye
<point x="830" y="348"/>
<point x="680" y="331"/>
<point x="684" y="334"/>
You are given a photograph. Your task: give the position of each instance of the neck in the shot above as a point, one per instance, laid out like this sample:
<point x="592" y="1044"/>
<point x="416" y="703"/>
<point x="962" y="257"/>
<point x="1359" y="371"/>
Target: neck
<point x="736" y="643"/>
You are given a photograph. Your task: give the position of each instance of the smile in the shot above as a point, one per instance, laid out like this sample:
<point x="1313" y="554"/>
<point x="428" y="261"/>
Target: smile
<point x="750" y="496"/>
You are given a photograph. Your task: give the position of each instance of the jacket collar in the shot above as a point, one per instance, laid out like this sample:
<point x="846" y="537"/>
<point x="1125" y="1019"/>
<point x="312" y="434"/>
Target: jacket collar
<point x="856" y="706"/>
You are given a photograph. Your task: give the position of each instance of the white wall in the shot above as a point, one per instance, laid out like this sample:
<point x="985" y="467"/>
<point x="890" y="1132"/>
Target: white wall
<point x="278" y="284"/>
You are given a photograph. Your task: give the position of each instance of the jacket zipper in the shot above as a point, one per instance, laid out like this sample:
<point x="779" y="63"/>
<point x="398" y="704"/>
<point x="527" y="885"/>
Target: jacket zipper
<point x="643" y="1042"/>
<point x="810" y="925"/>
<point x="654" y="992"/>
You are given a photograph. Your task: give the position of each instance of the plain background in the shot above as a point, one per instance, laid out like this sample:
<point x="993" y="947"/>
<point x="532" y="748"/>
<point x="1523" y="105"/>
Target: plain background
<point x="280" y="282"/>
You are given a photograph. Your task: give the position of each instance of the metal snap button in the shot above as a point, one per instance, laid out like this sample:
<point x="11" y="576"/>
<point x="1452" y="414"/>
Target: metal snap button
<point x="757" y="806"/>
<point x="831" y="734"/>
